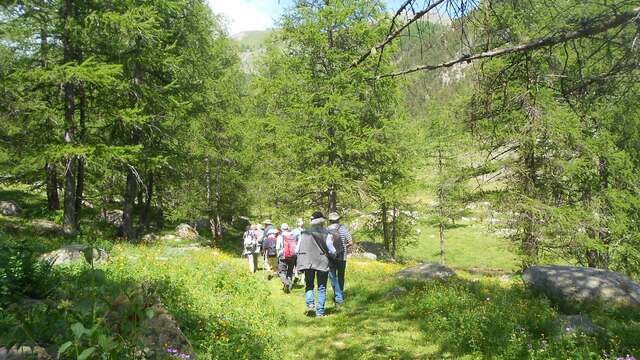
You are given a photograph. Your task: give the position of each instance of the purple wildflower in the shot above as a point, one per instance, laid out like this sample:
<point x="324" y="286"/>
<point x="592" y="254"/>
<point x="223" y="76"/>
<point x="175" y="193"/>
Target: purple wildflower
<point x="172" y="351"/>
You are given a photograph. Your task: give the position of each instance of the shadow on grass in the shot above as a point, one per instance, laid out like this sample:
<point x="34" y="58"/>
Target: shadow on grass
<point x="116" y="306"/>
<point x="461" y="318"/>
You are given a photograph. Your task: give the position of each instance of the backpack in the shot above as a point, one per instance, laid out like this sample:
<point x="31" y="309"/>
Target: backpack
<point x="250" y="240"/>
<point x="289" y="242"/>
<point x="338" y="243"/>
<point x="269" y="243"/>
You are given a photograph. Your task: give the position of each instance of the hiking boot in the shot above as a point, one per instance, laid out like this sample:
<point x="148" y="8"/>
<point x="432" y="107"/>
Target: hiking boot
<point x="320" y="315"/>
<point x="286" y="288"/>
<point x="269" y="276"/>
<point x="311" y="310"/>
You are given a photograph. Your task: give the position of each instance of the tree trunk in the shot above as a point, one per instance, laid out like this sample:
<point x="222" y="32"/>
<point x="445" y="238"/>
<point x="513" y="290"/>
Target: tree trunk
<point x="385" y="226"/>
<point x="81" y="160"/>
<point x="129" y="199"/>
<point x="394" y="230"/>
<point x="442" y="262"/>
<point x="210" y="215"/>
<point x="53" y="201"/>
<point x="529" y="240"/>
<point x="146" y="208"/>
<point x="441" y="212"/>
<point x="217" y="222"/>
<point x="69" y="221"/>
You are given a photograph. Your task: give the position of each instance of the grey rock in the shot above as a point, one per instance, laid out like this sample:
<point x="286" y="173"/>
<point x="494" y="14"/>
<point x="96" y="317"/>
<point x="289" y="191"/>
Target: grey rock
<point x="114" y="217"/>
<point x="572" y="285"/>
<point x="24" y="352"/>
<point x="426" y="272"/>
<point x="186" y="231"/>
<point x="158" y="329"/>
<point x="169" y="237"/>
<point x="9" y="208"/>
<point x="72" y="253"/>
<point x="363" y="255"/>
<point x="149" y="238"/>
<point x="395" y="292"/>
<point x="44" y="227"/>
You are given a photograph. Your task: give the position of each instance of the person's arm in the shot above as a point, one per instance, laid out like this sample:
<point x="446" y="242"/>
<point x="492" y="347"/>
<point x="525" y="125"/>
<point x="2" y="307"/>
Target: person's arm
<point x="298" y="244"/>
<point x="347" y="235"/>
<point x="329" y="241"/>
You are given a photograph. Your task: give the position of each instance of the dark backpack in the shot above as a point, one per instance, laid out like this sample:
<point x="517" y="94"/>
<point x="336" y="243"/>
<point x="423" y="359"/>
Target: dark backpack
<point x="289" y="242"/>
<point x="319" y="238"/>
<point x="338" y="242"/>
<point x="269" y="244"/>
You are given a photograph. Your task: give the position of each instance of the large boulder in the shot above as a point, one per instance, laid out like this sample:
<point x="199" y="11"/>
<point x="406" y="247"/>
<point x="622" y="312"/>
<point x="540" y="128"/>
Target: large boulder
<point x="9" y="208"/>
<point x="363" y="255"/>
<point x="369" y="250"/>
<point x="186" y="231"/>
<point x="577" y="286"/>
<point x="159" y="331"/>
<point x="24" y="352"/>
<point x="114" y="217"/>
<point x="426" y="272"/>
<point x="46" y="227"/>
<point x="72" y="253"/>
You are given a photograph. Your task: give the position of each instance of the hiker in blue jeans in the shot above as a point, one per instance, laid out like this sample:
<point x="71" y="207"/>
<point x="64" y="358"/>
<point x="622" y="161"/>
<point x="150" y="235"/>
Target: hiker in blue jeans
<point x="315" y="251"/>
<point x="342" y="241"/>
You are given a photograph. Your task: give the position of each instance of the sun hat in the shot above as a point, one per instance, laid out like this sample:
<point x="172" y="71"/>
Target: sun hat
<point x="317" y="218"/>
<point x="334" y="216"/>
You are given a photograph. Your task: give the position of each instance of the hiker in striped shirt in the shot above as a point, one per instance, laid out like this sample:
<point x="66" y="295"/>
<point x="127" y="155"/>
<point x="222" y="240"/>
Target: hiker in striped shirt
<point x="346" y="240"/>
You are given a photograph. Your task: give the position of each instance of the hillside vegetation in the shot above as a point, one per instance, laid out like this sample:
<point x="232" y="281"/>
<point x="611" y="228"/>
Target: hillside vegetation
<point x="470" y="156"/>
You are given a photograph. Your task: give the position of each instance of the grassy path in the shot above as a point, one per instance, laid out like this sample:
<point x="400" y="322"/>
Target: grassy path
<point x="367" y="327"/>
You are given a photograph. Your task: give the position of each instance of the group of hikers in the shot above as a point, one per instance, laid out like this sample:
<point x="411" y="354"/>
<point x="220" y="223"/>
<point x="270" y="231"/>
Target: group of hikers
<point x="312" y="255"/>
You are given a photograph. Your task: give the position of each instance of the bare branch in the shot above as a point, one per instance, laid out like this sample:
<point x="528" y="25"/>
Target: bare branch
<point x="398" y="31"/>
<point x="596" y="27"/>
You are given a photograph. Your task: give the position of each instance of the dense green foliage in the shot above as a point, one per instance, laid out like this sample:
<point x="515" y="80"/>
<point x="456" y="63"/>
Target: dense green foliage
<point x="121" y="119"/>
<point x="562" y="124"/>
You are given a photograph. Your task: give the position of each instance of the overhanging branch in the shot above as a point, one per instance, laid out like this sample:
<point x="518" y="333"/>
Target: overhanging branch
<point x="397" y="32"/>
<point x="595" y="28"/>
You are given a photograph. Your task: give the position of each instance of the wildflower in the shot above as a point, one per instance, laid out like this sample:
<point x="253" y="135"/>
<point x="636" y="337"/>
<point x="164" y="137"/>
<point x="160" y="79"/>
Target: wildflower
<point x="172" y="351"/>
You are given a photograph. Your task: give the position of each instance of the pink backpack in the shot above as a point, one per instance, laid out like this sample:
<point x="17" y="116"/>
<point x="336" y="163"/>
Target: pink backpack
<point x="289" y="242"/>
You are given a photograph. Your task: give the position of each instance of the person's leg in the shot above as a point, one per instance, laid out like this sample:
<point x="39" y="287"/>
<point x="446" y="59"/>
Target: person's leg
<point x="341" y="268"/>
<point x="309" y="276"/>
<point x="254" y="258"/>
<point x="322" y="291"/>
<point x="250" y="260"/>
<point x="282" y="272"/>
<point x="273" y="262"/>
<point x="291" y="264"/>
<point x="265" y="261"/>
<point x="337" y="292"/>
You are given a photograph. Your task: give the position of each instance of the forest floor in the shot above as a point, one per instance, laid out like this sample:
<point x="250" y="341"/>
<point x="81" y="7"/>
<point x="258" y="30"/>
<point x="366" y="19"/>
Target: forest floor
<point x="228" y="313"/>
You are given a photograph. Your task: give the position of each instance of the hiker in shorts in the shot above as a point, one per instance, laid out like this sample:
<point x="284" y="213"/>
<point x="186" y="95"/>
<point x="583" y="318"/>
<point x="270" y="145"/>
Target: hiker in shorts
<point x="286" y="248"/>
<point x="343" y="244"/>
<point x="251" y="251"/>
<point x="315" y="251"/>
<point x="269" y="251"/>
